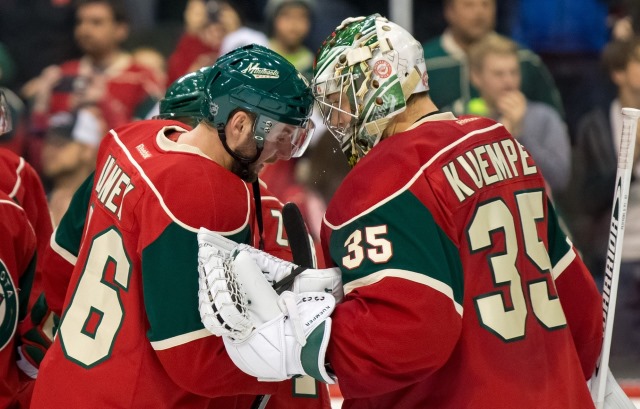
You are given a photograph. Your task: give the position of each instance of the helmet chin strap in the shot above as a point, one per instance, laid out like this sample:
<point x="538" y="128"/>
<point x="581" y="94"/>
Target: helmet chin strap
<point x="244" y="162"/>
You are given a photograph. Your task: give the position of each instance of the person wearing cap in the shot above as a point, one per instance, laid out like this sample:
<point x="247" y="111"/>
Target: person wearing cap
<point x="69" y="154"/>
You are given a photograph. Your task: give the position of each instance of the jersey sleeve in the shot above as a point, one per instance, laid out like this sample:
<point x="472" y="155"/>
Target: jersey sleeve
<point x="579" y="296"/>
<point x="192" y="357"/>
<point x="61" y="254"/>
<point x="397" y="264"/>
<point x="17" y="266"/>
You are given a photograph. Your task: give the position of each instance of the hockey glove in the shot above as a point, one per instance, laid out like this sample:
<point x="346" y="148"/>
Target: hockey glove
<point x="282" y="274"/>
<point x="291" y="332"/>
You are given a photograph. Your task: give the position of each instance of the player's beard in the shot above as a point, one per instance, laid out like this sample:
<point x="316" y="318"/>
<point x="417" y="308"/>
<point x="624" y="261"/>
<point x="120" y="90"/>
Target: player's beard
<point x="244" y="171"/>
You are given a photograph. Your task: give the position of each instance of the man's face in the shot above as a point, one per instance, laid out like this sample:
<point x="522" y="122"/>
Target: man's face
<point x="499" y="74"/>
<point x="96" y="30"/>
<point x="292" y="25"/>
<point x="470" y="20"/>
<point x="61" y="157"/>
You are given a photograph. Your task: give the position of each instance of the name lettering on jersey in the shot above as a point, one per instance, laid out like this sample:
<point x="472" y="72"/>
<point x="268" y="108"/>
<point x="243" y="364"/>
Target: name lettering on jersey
<point x="113" y="186"/>
<point x="485" y="165"/>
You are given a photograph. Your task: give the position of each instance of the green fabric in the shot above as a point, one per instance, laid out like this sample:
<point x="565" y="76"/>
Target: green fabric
<point x="419" y="244"/>
<point x="558" y="246"/>
<point x="450" y="87"/>
<point x="7" y="67"/>
<point x="170" y="282"/>
<point x="311" y="351"/>
<point x="26" y="282"/>
<point x="69" y="231"/>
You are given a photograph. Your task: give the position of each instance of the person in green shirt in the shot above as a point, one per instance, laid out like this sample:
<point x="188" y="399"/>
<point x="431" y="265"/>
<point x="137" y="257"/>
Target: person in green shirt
<point x="468" y="21"/>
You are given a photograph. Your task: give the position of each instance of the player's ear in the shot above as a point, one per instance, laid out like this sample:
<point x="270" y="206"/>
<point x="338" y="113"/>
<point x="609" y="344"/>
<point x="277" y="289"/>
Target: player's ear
<point x="239" y="124"/>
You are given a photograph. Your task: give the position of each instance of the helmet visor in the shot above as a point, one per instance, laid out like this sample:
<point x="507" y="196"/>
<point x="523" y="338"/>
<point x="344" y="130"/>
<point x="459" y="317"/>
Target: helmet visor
<point x="289" y="141"/>
<point x="5" y="115"/>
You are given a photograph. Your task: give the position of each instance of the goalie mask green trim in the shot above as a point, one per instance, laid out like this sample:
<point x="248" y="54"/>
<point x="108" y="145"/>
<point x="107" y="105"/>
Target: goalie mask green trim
<point x="363" y="76"/>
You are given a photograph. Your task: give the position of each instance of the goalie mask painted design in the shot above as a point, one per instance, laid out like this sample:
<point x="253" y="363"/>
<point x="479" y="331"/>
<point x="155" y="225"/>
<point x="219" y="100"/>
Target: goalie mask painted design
<point x="363" y="75"/>
<point x="256" y="79"/>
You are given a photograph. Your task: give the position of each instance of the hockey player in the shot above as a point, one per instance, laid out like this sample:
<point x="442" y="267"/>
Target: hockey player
<point x="461" y="290"/>
<point x="17" y="265"/>
<point x="128" y="302"/>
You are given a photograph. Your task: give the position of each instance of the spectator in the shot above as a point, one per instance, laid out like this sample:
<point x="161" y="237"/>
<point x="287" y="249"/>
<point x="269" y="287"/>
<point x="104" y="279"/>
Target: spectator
<point x="590" y="199"/>
<point x="495" y="72"/>
<point x="288" y="24"/>
<point x="236" y="33"/>
<point x="199" y="45"/>
<point x="106" y="75"/>
<point x="69" y="154"/>
<point x="446" y="56"/>
<point x="37" y="33"/>
<point x="568" y="36"/>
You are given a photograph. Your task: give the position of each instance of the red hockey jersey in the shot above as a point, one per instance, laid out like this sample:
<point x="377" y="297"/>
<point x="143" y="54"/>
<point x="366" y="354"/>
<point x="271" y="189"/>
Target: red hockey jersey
<point x="131" y="334"/>
<point x="21" y="182"/>
<point x="17" y="266"/>
<point x="462" y="291"/>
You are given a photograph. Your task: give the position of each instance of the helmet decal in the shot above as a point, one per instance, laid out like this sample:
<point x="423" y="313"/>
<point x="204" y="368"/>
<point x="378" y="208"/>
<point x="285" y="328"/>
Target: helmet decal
<point x="258" y="72"/>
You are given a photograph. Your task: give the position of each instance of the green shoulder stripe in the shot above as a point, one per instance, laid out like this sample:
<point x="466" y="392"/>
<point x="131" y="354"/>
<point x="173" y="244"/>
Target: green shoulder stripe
<point x="69" y="232"/>
<point x="400" y="235"/>
<point x="170" y="282"/>
<point x="559" y="246"/>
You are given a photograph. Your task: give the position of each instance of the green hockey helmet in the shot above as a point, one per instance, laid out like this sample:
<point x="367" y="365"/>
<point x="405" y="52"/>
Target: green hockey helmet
<point x="184" y="97"/>
<point x="260" y="81"/>
<point x="364" y="73"/>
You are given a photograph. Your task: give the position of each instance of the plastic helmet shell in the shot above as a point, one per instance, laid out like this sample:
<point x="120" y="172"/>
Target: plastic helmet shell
<point x="184" y="96"/>
<point x="258" y="80"/>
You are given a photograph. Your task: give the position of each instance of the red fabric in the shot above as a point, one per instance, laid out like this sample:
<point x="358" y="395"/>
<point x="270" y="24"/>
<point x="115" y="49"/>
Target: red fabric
<point x="400" y="343"/>
<point x="189" y="48"/>
<point x="170" y="188"/>
<point x="17" y="249"/>
<point x="128" y="85"/>
<point x="21" y="181"/>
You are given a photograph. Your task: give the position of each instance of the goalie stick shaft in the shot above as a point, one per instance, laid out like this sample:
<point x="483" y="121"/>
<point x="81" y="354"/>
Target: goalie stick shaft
<point x="630" y="118"/>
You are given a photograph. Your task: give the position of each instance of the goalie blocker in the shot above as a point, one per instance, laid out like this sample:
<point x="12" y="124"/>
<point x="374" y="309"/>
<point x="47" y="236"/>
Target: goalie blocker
<point x="272" y="337"/>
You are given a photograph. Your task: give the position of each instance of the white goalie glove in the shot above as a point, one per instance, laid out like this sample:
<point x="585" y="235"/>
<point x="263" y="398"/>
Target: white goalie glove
<point x="283" y="275"/>
<point x="268" y="336"/>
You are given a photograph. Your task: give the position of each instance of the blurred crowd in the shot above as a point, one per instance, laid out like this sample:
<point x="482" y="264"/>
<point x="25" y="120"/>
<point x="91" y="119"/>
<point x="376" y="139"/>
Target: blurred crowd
<point x="73" y="70"/>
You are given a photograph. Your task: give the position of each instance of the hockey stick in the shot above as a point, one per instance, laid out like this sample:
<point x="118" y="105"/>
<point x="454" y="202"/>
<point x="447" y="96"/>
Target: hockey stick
<point x="299" y="242"/>
<point x="303" y="256"/>
<point x="614" y="252"/>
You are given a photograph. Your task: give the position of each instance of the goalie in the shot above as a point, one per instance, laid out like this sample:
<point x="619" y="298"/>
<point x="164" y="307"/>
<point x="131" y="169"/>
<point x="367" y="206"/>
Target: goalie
<point x="461" y="290"/>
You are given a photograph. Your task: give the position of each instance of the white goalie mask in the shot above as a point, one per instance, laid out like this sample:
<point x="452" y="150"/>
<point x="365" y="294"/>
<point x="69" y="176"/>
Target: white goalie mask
<point x="363" y="75"/>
